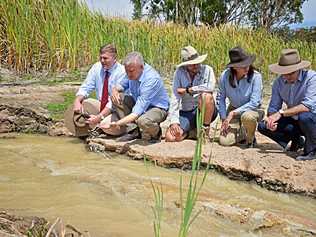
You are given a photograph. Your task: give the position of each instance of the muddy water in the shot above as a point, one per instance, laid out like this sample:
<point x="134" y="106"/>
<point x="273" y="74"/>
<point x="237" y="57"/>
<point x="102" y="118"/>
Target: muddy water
<point x="112" y="196"/>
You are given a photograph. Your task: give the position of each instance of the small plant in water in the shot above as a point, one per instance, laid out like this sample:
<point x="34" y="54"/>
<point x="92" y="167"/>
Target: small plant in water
<point x="195" y="185"/>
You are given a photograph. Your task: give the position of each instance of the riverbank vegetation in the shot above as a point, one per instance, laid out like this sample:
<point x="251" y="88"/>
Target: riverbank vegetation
<point x="59" y="35"/>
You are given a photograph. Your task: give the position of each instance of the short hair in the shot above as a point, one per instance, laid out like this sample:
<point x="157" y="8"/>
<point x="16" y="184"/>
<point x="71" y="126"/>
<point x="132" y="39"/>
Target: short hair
<point x="133" y="57"/>
<point x="108" y="48"/>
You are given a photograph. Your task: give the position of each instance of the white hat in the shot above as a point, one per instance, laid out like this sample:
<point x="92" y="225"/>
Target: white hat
<point x="190" y="56"/>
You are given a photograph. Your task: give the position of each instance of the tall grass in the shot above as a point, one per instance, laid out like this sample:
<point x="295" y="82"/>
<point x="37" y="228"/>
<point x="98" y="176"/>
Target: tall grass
<point x="64" y="35"/>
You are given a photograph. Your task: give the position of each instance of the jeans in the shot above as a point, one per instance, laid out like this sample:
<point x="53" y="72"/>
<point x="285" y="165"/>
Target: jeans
<point x="289" y="129"/>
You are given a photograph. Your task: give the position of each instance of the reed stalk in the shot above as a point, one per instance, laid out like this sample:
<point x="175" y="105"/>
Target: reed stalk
<point x="58" y="35"/>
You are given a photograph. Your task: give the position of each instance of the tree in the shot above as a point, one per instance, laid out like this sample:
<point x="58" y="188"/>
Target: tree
<point x="256" y="13"/>
<point x="271" y="14"/>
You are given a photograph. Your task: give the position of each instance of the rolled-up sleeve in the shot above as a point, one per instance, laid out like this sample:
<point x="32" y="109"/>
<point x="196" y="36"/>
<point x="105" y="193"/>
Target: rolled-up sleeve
<point x="256" y="95"/>
<point x="221" y="97"/>
<point x="310" y="95"/>
<point x="89" y="84"/>
<point x="276" y="100"/>
<point x="148" y="92"/>
<point x="174" y="109"/>
<point x="209" y="78"/>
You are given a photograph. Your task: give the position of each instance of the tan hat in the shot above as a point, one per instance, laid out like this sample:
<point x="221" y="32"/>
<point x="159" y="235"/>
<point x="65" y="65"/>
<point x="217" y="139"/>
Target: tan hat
<point x="190" y="56"/>
<point x="76" y="123"/>
<point x="289" y="62"/>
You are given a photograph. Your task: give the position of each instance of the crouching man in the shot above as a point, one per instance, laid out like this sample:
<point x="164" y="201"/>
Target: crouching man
<point x="296" y="87"/>
<point x="141" y="98"/>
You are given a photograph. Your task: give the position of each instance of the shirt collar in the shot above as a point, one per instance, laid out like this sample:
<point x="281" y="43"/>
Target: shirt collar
<point x="197" y="76"/>
<point x="300" y="77"/>
<point x="141" y="77"/>
<point x="111" y="69"/>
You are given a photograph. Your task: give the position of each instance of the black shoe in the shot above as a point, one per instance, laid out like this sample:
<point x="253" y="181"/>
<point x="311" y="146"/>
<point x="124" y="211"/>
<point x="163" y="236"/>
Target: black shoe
<point x="295" y="146"/>
<point x="309" y="156"/>
<point x="129" y="136"/>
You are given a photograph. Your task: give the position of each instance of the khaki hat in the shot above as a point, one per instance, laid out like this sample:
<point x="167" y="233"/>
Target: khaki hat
<point x="289" y="62"/>
<point x="239" y="58"/>
<point x="76" y="123"/>
<point x="190" y="56"/>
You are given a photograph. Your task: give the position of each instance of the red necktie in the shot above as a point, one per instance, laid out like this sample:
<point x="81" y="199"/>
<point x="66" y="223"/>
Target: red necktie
<point x="105" y="93"/>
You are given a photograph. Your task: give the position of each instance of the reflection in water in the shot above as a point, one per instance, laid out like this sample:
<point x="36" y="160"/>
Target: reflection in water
<point x="58" y="177"/>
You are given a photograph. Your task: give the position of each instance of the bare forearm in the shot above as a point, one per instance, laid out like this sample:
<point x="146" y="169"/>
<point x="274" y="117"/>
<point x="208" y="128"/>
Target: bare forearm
<point x="127" y="119"/>
<point x="105" y="112"/>
<point x="295" y="110"/>
<point x="79" y="99"/>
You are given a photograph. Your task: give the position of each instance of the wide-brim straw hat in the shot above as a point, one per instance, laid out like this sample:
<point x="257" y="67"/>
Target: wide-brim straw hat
<point x="239" y="58"/>
<point x="190" y="56"/>
<point x="289" y="61"/>
<point x="76" y="122"/>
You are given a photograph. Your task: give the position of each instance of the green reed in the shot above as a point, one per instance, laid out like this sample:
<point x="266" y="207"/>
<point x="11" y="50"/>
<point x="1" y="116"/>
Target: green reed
<point x="58" y="35"/>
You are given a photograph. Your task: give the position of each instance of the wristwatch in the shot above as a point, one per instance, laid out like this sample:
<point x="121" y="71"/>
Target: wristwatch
<point x="281" y="111"/>
<point x="102" y="117"/>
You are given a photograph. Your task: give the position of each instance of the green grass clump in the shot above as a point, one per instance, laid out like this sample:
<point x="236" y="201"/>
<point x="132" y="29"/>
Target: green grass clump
<point x="59" y="35"/>
<point x="57" y="110"/>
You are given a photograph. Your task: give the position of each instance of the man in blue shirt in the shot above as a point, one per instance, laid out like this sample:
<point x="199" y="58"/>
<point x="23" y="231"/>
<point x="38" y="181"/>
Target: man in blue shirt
<point x="146" y="102"/>
<point x="101" y="78"/>
<point x="296" y="88"/>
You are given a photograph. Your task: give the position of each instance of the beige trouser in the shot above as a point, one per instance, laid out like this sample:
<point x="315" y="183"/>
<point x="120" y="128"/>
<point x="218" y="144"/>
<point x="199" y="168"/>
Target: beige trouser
<point x="148" y="122"/>
<point x="242" y="127"/>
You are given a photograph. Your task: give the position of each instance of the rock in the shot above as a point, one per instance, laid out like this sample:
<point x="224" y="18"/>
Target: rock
<point x="58" y="129"/>
<point x="5" y="127"/>
<point x="19" y="119"/>
<point x="255" y="164"/>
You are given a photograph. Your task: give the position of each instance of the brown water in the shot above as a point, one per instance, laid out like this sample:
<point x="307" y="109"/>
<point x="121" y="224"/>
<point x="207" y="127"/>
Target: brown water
<point x="58" y="177"/>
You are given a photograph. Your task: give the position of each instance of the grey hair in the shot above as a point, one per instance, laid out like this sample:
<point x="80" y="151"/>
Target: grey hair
<point x="133" y="58"/>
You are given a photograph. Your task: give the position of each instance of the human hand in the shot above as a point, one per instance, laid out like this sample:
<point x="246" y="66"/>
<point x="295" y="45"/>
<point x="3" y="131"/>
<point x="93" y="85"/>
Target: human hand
<point x="225" y="124"/>
<point x="271" y="121"/>
<point x="181" y="91"/>
<point x="175" y="130"/>
<point x="116" y="98"/>
<point x="77" y="107"/>
<point x="93" y="119"/>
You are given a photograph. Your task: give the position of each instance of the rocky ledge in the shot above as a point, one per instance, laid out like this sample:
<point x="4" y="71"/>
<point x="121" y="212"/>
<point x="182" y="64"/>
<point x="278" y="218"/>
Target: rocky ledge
<point x="19" y="119"/>
<point x="267" y="164"/>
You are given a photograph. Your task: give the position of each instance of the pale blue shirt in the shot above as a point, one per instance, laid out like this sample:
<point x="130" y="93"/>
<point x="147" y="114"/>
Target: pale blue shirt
<point x="245" y="96"/>
<point x="95" y="81"/>
<point x="188" y="102"/>
<point x="148" y="91"/>
<point x="303" y="91"/>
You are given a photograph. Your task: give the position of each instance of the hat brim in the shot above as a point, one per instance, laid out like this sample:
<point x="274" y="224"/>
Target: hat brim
<point x="197" y="60"/>
<point x="281" y="70"/>
<point x="245" y="63"/>
<point x="90" y="106"/>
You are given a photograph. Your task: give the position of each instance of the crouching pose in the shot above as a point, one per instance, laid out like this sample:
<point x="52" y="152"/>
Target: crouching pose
<point x="86" y="113"/>
<point x="193" y="83"/>
<point x="242" y="85"/>
<point x="296" y="88"/>
<point x="139" y="98"/>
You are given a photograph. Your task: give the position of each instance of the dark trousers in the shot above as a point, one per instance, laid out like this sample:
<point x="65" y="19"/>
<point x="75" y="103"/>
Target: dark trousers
<point x="289" y="129"/>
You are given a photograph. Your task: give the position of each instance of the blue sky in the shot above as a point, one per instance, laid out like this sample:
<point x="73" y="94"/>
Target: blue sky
<point x="124" y="8"/>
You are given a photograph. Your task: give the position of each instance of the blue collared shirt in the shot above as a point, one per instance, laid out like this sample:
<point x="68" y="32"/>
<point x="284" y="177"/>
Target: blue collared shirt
<point x="246" y="96"/>
<point x="95" y="81"/>
<point x="188" y="102"/>
<point x="148" y="91"/>
<point x="303" y="91"/>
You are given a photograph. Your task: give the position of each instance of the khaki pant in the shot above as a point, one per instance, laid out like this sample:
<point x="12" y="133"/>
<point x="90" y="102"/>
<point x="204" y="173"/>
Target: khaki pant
<point x="148" y="123"/>
<point x="242" y="127"/>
